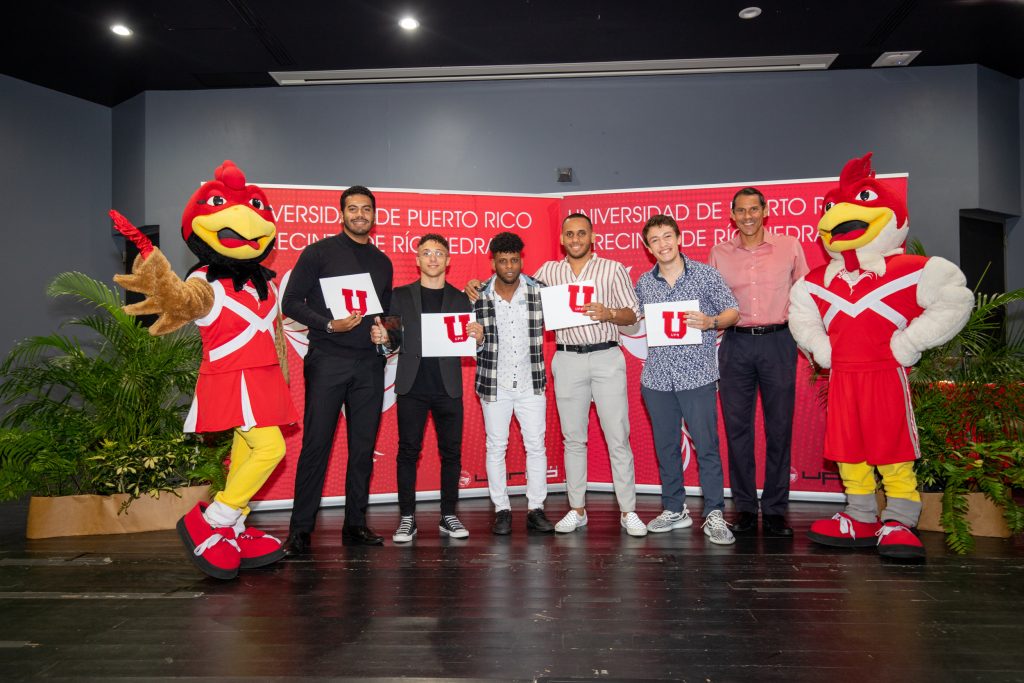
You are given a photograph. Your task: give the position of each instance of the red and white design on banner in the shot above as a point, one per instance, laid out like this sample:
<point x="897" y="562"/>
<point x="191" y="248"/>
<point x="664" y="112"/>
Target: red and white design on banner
<point x="469" y="221"/>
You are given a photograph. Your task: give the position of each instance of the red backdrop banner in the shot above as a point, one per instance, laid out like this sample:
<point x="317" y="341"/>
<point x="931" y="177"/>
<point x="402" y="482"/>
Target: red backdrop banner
<point x="469" y="221"/>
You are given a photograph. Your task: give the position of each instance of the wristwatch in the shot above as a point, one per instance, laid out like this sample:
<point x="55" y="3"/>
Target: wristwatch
<point x="715" y="322"/>
<point x="330" y="327"/>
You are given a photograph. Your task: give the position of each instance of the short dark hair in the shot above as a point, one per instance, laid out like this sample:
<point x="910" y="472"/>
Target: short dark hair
<point x="434" y="237"/>
<point x="358" y="189"/>
<point x="506" y="243"/>
<point x="749" y="192"/>
<point x="658" y="220"/>
<point x="578" y="215"/>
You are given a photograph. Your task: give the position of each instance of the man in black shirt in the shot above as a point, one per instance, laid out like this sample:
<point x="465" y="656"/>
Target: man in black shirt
<point x="342" y="368"/>
<point x="428" y="385"/>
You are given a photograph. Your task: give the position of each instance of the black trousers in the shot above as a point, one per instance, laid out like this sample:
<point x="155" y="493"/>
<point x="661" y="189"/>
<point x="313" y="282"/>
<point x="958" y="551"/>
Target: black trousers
<point x="333" y="381"/>
<point x="412" y="420"/>
<point x="749" y="365"/>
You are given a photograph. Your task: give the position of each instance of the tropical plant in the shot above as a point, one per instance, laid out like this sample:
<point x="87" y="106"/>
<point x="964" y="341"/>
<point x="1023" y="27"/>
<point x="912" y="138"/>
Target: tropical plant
<point x="101" y="413"/>
<point x="968" y="399"/>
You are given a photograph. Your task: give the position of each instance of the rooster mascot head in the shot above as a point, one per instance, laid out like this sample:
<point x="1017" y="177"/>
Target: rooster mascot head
<point x="864" y="218"/>
<point x="230" y="227"/>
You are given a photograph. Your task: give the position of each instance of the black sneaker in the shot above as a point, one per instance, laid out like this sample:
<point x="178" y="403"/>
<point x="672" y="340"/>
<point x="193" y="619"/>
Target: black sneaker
<point x="502" y="523"/>
<point x="406" y="530"/>
<point x="536" y="520"/>
<point x="451" y="526"/>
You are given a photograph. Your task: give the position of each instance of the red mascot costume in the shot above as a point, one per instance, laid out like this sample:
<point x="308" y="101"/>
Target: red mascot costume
<point x="230" y="296"/>
<point x="868" y="314"/>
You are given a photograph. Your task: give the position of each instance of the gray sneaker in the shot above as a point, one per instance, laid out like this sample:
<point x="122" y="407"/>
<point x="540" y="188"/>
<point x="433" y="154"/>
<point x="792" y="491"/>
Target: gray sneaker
<point x="717" y="529"/>
<point x="668" y="520"/>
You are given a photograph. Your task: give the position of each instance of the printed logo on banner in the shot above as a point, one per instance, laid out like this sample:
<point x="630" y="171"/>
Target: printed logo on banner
<point x="579" y="297"/>
<point x="457" y="322"/>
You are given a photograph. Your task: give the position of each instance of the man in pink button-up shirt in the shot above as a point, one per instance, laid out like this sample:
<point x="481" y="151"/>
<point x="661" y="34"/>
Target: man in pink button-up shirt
<point x="758" y="354"/>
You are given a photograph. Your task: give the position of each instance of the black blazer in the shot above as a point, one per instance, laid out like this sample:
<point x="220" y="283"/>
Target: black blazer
<point x="406" y="301"/>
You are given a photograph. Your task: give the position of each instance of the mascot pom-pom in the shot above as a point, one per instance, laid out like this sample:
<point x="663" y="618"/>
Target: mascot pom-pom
<point x="868" y="314"/>
<point x="229" y="295"/>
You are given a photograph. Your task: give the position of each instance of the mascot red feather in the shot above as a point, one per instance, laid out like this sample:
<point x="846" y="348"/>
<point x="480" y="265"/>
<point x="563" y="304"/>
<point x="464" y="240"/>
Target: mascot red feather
<point x="868" y="314"/>
<point x="230" y="296"/>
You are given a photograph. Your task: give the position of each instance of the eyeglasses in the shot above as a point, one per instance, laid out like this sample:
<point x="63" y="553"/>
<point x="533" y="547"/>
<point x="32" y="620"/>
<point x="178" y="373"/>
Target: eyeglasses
<point x="439" y="253"/>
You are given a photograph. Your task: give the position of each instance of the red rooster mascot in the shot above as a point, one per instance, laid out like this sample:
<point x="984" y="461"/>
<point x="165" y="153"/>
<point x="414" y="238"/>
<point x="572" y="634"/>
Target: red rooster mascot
<point x="868" y="314"/>
<point x="229" y="295"/>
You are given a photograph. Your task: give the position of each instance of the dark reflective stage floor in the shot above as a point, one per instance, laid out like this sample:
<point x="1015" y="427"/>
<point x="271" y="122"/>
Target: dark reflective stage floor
<point x="596" y="604"/>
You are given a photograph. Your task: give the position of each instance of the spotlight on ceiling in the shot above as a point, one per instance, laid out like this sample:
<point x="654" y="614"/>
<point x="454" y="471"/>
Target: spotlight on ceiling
<point x="750" y="13"/>
<point x="896" y="58"/>
<point x="121" y="30"/>
<point x="409" y="23"/>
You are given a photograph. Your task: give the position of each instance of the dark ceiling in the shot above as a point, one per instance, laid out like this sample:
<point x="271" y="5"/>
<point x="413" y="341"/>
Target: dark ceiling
<point x="66" y="45"/>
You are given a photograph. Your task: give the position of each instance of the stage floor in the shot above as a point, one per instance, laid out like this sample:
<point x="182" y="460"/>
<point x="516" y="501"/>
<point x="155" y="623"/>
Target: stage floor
<point x="593" y="605"/>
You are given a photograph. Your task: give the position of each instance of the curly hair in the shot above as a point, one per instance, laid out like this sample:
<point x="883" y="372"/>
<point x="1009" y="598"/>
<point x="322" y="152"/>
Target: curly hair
<point x="506" y="243"/>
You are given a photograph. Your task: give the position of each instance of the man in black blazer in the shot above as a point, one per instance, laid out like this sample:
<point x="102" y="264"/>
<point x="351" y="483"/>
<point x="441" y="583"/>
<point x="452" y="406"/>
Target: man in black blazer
<point x="429" y="385"/>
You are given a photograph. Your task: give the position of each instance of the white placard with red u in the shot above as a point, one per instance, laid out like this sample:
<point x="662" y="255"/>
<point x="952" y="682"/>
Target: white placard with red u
<point x="666" y="323"/>
<point x="565" y="305"/>
<point x="446" y="334"/>
<point x="348" y="294"/>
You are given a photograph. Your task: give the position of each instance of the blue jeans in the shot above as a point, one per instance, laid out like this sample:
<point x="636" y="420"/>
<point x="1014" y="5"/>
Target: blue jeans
<point x="699" y="408"/>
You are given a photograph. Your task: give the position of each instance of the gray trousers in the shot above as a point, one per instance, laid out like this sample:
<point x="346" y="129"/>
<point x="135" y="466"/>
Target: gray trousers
<point x="599" y="376"/>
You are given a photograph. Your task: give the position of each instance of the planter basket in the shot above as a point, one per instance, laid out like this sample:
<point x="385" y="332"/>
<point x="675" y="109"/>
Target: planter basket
<point x="984" y="517"/>
<point x="89" y="515"/>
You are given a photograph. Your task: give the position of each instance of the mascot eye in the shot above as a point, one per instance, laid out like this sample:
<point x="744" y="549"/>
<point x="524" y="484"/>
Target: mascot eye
<point x="829" y="205"/>
<point x="257" y="203"/>
<point x="867" y="195"/>
<point x="215" y="200"/>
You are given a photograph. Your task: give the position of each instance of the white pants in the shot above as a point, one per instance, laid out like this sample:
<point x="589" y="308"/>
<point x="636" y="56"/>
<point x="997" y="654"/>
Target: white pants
<point x="530" y="410"/>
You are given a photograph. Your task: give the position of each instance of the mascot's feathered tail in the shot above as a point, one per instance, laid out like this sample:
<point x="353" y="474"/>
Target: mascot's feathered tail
<point x="868" y="314"/>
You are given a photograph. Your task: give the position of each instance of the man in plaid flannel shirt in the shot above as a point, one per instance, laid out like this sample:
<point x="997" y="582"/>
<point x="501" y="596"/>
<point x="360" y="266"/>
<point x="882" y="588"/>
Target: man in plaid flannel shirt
<point x="510" y="379"/>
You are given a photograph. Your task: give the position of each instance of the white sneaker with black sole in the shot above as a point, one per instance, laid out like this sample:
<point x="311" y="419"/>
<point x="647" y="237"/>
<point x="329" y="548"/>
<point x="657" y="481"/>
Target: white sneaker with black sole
<point x="406" y="530"/>
<point x="668" y="520"/>
<point x="451" y="526"/>
<point x="717" y="529"/>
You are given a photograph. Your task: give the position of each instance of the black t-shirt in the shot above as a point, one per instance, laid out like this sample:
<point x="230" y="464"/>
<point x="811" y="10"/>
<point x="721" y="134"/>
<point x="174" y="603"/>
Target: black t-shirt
<point x="428" y="378"/>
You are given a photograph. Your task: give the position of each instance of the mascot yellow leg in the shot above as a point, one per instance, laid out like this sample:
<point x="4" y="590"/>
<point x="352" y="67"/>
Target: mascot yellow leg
<point x="254" y="455"/>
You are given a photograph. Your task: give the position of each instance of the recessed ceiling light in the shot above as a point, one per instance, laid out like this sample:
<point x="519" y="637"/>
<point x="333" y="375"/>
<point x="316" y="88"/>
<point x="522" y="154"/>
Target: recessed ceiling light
<point x="750" y="13"/>
<point x="121" y="30"/>
<point x="409" y="23"/>
<point x="896" y="58"/>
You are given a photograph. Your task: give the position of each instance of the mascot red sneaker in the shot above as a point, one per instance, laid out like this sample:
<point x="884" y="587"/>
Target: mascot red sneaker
<point x="229" y="295"/>
<point x="868" y="314"/>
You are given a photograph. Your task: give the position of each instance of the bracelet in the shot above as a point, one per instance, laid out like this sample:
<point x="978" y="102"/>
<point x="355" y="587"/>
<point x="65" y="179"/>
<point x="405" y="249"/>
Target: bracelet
<point x="715" y="322"/>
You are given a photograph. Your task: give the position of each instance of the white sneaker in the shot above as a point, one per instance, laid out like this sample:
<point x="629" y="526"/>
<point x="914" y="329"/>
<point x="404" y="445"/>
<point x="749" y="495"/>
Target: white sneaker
<point x="571" y="522"/>
<point x="632" y="524"/>
<point x="717" y="529"/>
<point x="406" y="530"/>
<point x="668" y="520"/>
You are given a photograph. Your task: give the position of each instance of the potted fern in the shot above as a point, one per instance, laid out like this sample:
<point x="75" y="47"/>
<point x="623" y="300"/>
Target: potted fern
<point x="94" y="421"/>
<point x="969" y="406"/>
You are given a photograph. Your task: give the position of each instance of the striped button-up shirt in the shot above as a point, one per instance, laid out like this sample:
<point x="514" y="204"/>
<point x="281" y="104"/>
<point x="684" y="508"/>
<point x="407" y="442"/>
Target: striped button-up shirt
<point x="613" y="289"/>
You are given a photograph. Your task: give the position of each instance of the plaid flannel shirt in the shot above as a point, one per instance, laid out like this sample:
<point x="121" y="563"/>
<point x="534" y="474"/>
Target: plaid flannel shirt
<point x="487" y="354"/>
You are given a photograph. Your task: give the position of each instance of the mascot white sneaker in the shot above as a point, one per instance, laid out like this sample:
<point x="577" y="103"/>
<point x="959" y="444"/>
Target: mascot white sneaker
<point x="868" y="314"/>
